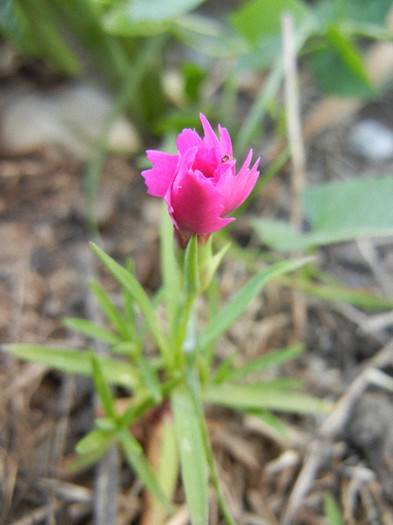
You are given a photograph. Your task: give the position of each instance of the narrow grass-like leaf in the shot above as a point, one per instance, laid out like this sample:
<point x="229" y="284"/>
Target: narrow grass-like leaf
<point x="109" y="309"/>
<point x="275" y="423"/>
<point x="261" y="396"/>
<point x="192" y="455"/>
<point x="95" y="441"/>
<point x="341" y="294"/>
<point x="91" y="330"/>
<point x="164" y="456"/>
<point x="333" y="513"/>
<point x="169" y="271"/>
<point x="265" y="361"/>
<point x="238" y="304"/>
<point x="75" y="362"/>
<point x="84" y="461"/>
<point x="140" y="297"/>
<point x="150" y="379"/>
<point x="138" y="462"/>
<point x="102" y="388"/>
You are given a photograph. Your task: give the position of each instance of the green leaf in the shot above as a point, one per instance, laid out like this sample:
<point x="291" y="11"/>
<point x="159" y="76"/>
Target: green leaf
<point x="339" y="67"/>
<point x="92" y="330"/>
<point x="109" y="309"/>
<point x="338" y="211"/>
<point x="141" y="18"/>
<point x="14" y="27"/>
<point x="96" y="441"/>
<point x="138" y="462"/>
<point x="265" y="361"/>
<point x="262" y="396"/>
<point x="166" y="468"/>
<point x="43" y="28"/>
<point x="192" y="455"/>
<point x="276" y="425"/>
<point x="191" y="267"/>
<point x="75" y="362"/>
<point x="169" y="270"/>
<point x="241" y="299"/>
<point x="128" y="281"/>
<point x="84" y="461"/>
<point x="209" y="36"/>
<point x="102" y="388"/>
<point x="150" y="379"/>
<point x="349" y="53"/>
<point x="340" y="294"/>
<point x="260" y="19"/>
<point x="332" y="511"/>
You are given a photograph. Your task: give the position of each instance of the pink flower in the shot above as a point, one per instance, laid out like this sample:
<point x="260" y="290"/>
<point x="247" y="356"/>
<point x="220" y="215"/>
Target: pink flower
<point x="199" y="184"/>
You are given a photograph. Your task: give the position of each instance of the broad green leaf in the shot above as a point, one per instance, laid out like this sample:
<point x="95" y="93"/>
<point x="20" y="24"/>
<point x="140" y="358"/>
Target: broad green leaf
<point x="102" y="388"/>
<point x="75" y="362"/>
<point x="192" y="455"/>
<point x="333" y="513"/>
<point x="157" y="10"/>
<point x="349" y="53"/>
<point x="259" y="19"/>
<point x="337" y="211"/>
<point x="238" y="304"/>
<point x="339" y="69"/>
<point x="91" y="330"/>
<point x="372" y="11"/>
<point x="262" y="396"/>
<point x="109" y="309"/>
<point x="138" y="462"/>
<point x="264" y="362"/>
<point x="128" y="281"/>
<point x="209" y="36"/>
<point x="141" y="18"/>
<point x="95" y="441"/>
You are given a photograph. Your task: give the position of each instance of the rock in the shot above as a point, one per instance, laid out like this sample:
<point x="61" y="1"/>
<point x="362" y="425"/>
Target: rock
<point x="71" y="117"/>
<point x="372" y="140"/>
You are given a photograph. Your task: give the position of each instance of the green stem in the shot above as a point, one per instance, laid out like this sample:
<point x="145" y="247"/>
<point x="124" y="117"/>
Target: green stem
<point x="195" y="390"/>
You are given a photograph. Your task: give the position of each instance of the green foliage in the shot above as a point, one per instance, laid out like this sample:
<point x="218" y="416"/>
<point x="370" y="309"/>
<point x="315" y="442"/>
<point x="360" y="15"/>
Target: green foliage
<point x="332" y="511"/>
<point x="237" y="305"/>
<point x="262" y="395"/>
<point x="76" y="362"/>
<point x="127" y="42"/>
<point x="257" y="20"/>
<point x="337" y="211"/>
<point x="192" y="455"/>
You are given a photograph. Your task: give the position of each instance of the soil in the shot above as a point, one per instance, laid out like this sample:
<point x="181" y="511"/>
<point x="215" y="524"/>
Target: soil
<point x="45" y="263"/>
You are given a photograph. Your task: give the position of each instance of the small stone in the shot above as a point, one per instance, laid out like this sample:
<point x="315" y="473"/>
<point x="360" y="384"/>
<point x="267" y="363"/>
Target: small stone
<point x="372" y="140"/>
<point x="71" y="117"/>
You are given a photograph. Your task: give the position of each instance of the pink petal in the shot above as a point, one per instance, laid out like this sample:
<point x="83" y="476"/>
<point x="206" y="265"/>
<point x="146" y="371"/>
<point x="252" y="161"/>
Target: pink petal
<point x="225" y="139"/>
<point x="236" y="188"/>
<point x="194" y="202"/>
<point x="187" y="139"/>
<point x="210" y="139"/>
<point x="159" y="177"/>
